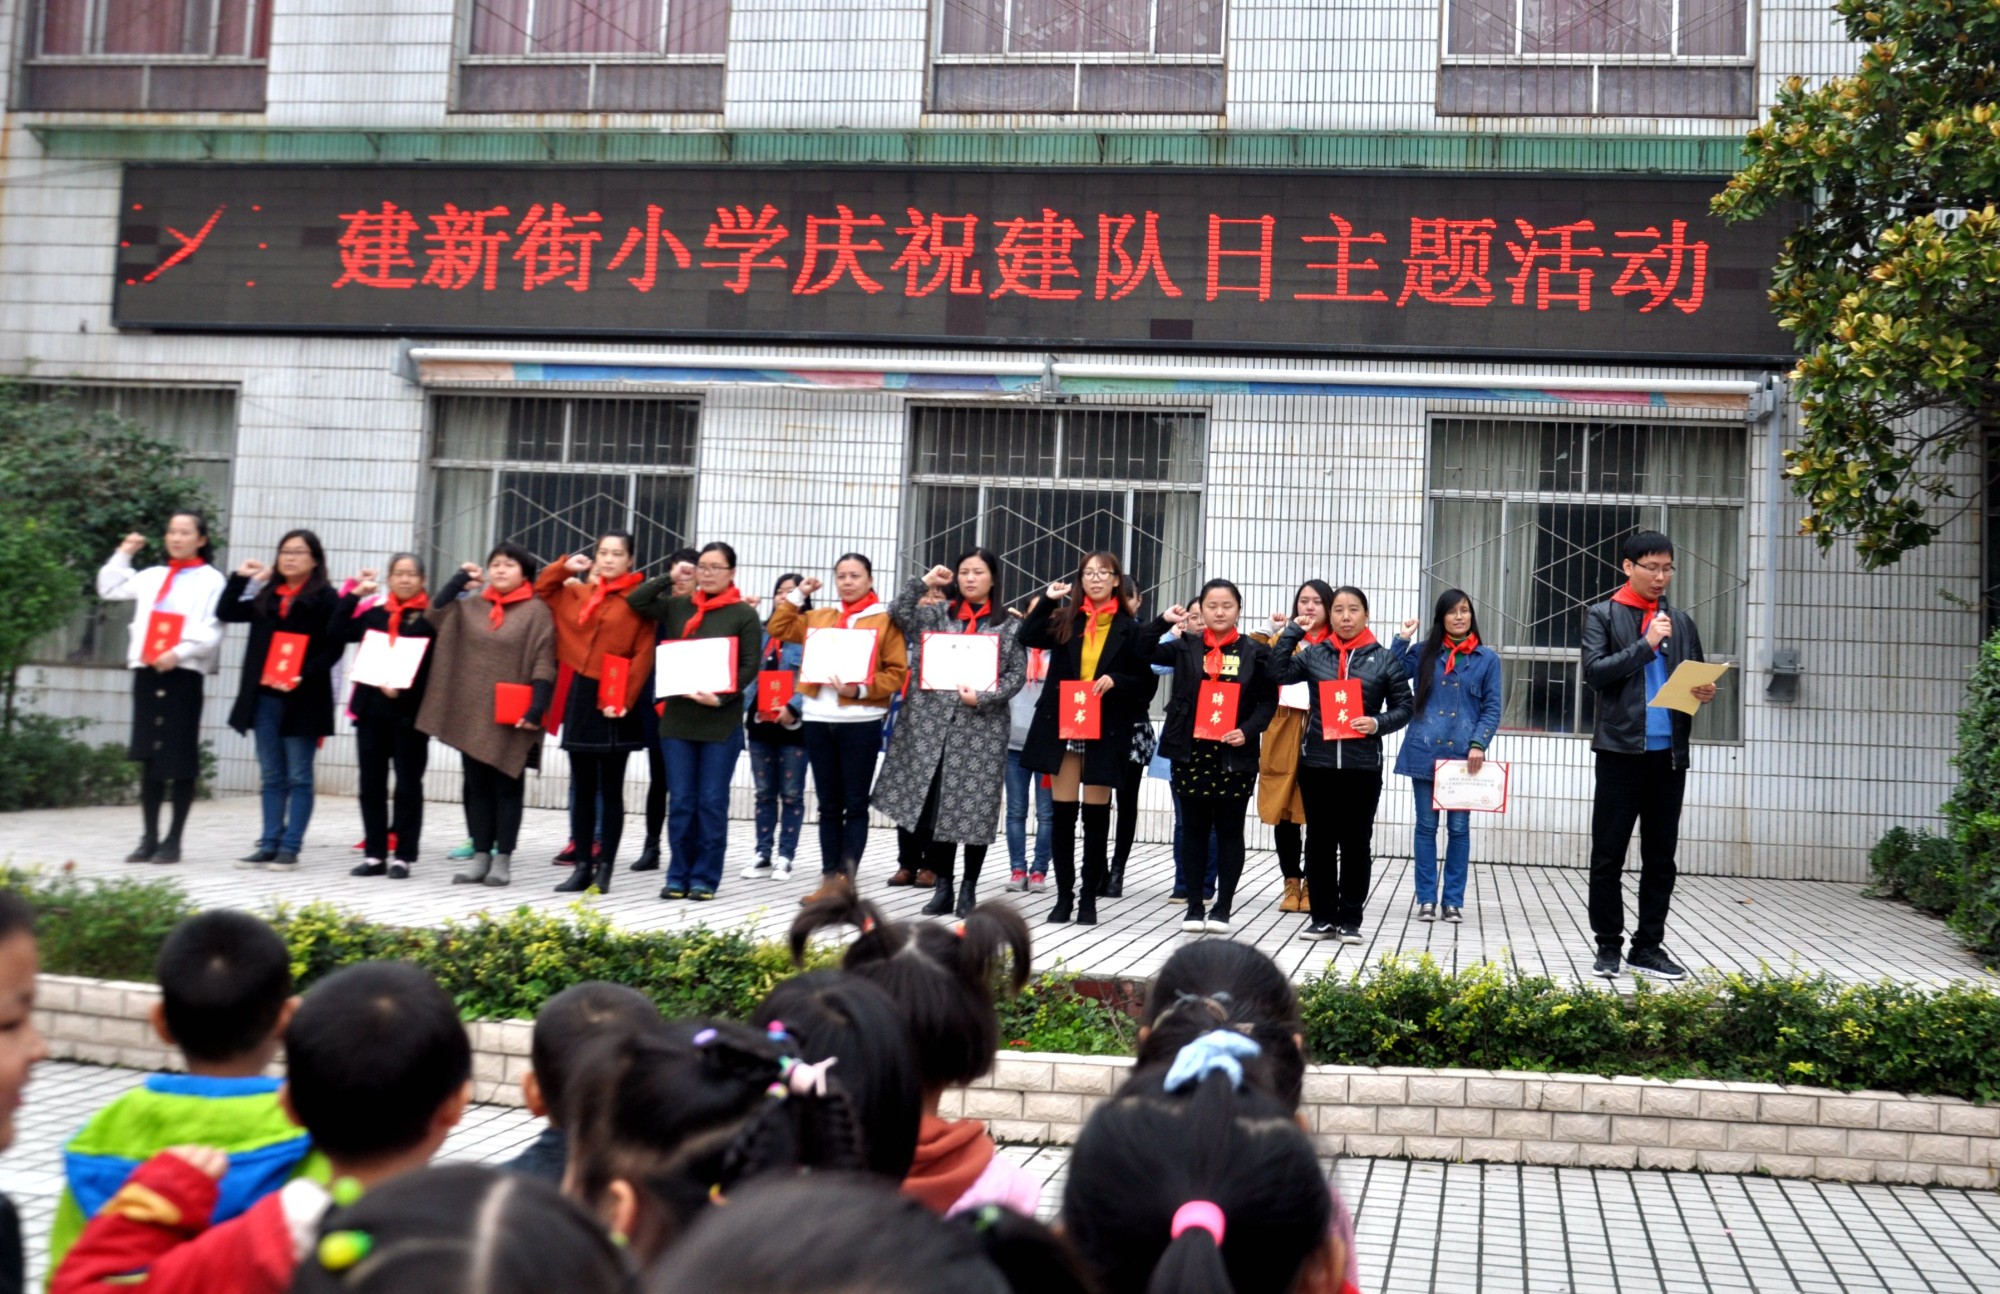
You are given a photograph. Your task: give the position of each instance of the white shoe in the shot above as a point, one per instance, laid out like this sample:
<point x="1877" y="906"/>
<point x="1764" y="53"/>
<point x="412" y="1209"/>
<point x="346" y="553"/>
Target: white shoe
<point x="1427" y="912"/>
<point x="757" y="871"/>
<point x="1194" y="926"/>
<point x="1218" y="925"/>
<point x="783" y="870"/>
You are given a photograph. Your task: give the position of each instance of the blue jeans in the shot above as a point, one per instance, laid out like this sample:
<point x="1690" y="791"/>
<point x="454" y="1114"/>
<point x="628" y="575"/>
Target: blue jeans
<point x="1020" y="781"/>
<point x="698" y="774"/>
<point x="1457" y="849"/>
<point x="1180" y="867"/>
<point x="287" y="767"/>
<point x="781" y="778"/>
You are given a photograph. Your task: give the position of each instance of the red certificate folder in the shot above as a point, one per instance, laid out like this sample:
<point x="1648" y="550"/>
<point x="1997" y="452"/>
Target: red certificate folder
<point x="1079" y="712"/>
<point x="1339" y="707"/>
<point x="774" y="691"/>
<point x="613" y="680"/>
<point x="163" y="634"/>
<point x="511" y="702"/>
<point x="1215" y="711"/>
<point x="285" y="659"/>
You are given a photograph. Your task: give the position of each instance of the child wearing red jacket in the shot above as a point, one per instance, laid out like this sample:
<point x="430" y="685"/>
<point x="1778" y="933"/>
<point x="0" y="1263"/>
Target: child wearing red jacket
<point x="378" y="1071"/>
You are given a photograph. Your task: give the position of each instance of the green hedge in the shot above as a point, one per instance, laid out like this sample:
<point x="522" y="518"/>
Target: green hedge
<point x="43" y="765"/>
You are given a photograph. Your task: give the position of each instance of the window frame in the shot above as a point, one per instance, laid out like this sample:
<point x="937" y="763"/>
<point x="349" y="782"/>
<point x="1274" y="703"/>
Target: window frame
<point x="463" y="57"/>
<point x="32" y="30"/>
<point x="938" y="58"/>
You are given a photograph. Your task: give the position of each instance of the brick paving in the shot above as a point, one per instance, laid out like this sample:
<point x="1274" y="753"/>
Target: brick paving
<point x="1534" y="916"/>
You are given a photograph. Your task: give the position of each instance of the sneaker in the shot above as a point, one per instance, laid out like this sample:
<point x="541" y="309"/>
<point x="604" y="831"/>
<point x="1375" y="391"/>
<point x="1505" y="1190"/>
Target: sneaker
<point x="757" y="871"/>
<point x="1319" y="930"/>
<point x="1194" y="925"/>
<point x="782" y="870"/>
<point x="1607" y="965"/>
<point x="1454" y="915"/>
<point x="1350" y="934"/>
<point x="1427" y="912"/>
<point x="369" y="867"/>
<point x="568" y="855"/>
<point x="1017" y="882"/>
<point x="1038" y="882"/>
<point x="1218" y="923"/>
<point x="283" y="863"/>
<point x="399" y="870"/>
<point x="700" y="896"/>
<point x="1178" y="896"/>
<point x="1654" y="962"/>
<point x="673" y="892"/>
<point x="461" y="853"/>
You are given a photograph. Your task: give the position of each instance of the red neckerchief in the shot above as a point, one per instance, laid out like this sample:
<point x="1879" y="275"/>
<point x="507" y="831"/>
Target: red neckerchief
<point x="1038" y="664"/>
<point x="1351" y="645"/>
<point x="1211" y="663"/>
<point x="774" y="653"/>
<point x="1464" y="647"/>
<point x="1319" y="633"/>
<point x="522" y="592"/>
<point x="703" y="604"/>
<point x="971" y="615"/>
<point x="175" y="567"/>
<point x="1625" y="597"/>
<point x="286" y="592"/>
<point x="849" y="610"/>
<point x="397" y="608"/>
<point x="1091" y="612"/>
<point x="603" y="589"/>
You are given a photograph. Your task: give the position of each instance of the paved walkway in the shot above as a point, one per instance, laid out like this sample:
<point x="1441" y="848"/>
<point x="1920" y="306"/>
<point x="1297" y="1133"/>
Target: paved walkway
<point x="1534" y="915"/>
<point x="1442" y="1228"/>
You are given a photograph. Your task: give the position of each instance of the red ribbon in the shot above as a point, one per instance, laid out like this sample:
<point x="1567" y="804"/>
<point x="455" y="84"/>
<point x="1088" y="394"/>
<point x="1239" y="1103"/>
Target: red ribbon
<point x="1351" y="645"/>
<point x="1465" y="647"/>
<point x="1211" y="663"/>
<point x="286" y="592"/>
<point x="175" y="567"/>
<point x="1625" y="597"/>
<point x="397" y="608"/>
<point x="849" y="610"/>
<point x="972" y="615"/>
<point x="603" y="589"/>
<point x="522" y="592"/>
<point x="703" y="604"/>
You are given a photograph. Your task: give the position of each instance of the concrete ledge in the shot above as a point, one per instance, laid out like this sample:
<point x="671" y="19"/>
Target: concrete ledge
<point x="1455" y="1115"/>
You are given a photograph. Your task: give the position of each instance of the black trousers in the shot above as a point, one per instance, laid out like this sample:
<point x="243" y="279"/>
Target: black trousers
<point x="656" y="794"/>
<point x="493" y="808"/>
<point x="378" y="747"/>
<point x="1643" y="791"/>
<point x="1222" y="814"/>
<point x="1340" y="834"/>
<point x="842" y="758"/>
<point x="1290" y="838"/>
<point x="595" y="773"/>
<point x="1127" y="829"/>
<point x="930" y="853"/>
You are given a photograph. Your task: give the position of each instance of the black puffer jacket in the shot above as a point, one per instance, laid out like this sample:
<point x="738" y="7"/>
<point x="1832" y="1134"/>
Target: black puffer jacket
<point x="1255" y="705"/>
<point x="1615" y="656"/>
<point x="1385" y="696"/>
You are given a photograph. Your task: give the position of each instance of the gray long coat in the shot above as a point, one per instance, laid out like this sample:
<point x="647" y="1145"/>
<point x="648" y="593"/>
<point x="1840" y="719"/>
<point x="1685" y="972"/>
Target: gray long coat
<point x="937" y="728"/>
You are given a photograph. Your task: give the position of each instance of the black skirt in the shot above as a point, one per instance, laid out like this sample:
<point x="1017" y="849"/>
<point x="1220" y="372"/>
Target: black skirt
<point x="166" y="723"/>
<point x="586" y="729"/>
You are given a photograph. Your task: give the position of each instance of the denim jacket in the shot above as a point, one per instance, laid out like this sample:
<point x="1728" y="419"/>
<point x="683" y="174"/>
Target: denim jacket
<point x="1462" y="710"/>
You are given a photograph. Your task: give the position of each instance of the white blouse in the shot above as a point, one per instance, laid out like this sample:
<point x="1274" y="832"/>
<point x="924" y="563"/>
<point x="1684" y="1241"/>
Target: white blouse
<point x="193" y="597"/>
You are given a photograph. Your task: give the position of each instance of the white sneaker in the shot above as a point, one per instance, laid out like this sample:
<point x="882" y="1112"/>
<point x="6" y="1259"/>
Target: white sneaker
<point x="757" y="871"/>
<point x="1218" y="925"/>
<point x="783" y="871"/>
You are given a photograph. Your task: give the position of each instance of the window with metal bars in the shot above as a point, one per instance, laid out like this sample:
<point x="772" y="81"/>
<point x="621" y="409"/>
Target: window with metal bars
<point x="1608" y="58"/>
<point x="1527" y="518"/>
<point x="552" y="473"/>
<point x="1152" y="56"/>
<point x="202" y="421"/>
<point x="146" y="55"/>
<point x="593" y="56"/>
<point x="1042" y="486"/>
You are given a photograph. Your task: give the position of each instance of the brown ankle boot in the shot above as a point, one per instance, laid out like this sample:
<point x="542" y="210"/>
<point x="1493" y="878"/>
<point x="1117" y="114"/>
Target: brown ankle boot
<point x="829" y="886"/>
<point x="903" y="876"/>
<point x="927" y="879"/>
<point x="1293" y="900"/>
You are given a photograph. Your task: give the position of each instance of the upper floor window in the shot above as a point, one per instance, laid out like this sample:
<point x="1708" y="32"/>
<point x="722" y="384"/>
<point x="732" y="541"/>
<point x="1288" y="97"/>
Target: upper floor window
<point x="594" y="56"/>
<point x="1606" y="58"/>
<point x="1061" y="56"/>
<point x="147" y="55"/>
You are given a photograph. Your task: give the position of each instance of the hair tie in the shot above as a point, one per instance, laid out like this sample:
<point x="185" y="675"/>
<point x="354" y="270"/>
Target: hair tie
<point x="959" y="930"/>
<point x="715" y="1195"/>
<point x="809" y="1080"/>
<point x="340" y="1250"/>
<point x="986" y="1218"/>
<point x="868" y="925"/>
<point x="346" y="1192"/>
<point x="1199" y="1215"/>
<point x="1217" y="1051"/>
<point x="775" y="1031"/>
<point x="705" y="1037"/>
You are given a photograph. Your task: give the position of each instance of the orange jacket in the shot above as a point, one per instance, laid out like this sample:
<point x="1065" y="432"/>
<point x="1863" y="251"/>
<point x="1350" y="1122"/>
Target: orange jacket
<point x="892" y="658"/>
<point x="615" y="629"/>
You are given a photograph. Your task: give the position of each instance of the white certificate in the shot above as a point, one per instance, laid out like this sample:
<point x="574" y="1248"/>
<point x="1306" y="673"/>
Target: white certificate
<point x="685" y="666"/>
<point x="1295" y="696"/>
<point x="950" y="661"/>
<point x="383" y="662"/>
<point x="1455" y="786"/>
<point x="839" y="655"/>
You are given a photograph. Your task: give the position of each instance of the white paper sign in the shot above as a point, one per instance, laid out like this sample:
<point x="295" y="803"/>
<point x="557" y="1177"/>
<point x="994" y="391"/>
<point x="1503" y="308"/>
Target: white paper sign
<point x="685" y="666"/>
<point x="1295" y="696"/>
<point x="1455" y="786"/>
<point x="383" y="662"/>
<point x="949" y="660"/>
<point x="838" y="655"/>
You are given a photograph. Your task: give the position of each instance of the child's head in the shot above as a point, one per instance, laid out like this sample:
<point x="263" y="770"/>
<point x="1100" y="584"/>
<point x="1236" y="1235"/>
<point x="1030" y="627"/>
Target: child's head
<point x="225" y="991"/>
<point x="463" y="1229"/>
<point x="832" y="1014"/>
<point x="21" y="1042"/>
<point x="664" y="1122"/>
<point x="1191" y="1180"/>
<point x="566" y="1025"/>
<point x="1220" y="984"/>
<point x="377" y="1065"/>
<point x="942" y="978"/>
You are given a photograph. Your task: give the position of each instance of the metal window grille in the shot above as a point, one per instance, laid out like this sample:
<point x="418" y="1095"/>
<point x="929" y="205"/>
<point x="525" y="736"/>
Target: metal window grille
<point x="552" y="473"/>
<point x="202" y="421"/>
<point x="1123" y="56"/>
<point x="593" y="55"/>
<point x="1527" y="518"/>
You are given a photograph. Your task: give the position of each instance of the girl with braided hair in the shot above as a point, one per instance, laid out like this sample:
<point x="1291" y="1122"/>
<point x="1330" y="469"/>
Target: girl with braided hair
<point x="943" y="979"/>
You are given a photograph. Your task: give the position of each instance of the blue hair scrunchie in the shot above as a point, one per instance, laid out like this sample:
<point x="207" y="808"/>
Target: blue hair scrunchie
<point x="1219" y="1050"/>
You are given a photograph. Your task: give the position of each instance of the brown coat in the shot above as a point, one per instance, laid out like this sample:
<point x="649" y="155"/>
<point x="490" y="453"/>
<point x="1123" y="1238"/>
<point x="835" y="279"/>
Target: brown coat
<point x="1278" y="798"/>
<point x="468" y="657"/>
<point x="615" y="629"/>
<point x="892" y="658"/>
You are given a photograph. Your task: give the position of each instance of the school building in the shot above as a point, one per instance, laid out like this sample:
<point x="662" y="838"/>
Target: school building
<point x="1407" y="294"/>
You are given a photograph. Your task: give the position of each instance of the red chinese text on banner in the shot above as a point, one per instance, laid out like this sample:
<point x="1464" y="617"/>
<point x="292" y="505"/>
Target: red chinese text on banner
<point x="163" y="634"/>
<point x="285" y="659"/>
<point x="1339" y="706"/>
<point x="1215" y="710"/>
<point x="1079" y="713"/>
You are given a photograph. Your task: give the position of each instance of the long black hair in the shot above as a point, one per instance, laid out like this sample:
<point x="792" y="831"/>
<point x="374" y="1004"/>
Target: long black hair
<point x="993" y="599"/>
<point x="1325" y="592"/>
<point x="833" y="1014"/>
<point x="1434" y="643"/>
<point x="267" y="597"/>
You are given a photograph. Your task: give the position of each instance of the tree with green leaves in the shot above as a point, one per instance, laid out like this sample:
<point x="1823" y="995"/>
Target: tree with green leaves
<point x="1890" y="285"/>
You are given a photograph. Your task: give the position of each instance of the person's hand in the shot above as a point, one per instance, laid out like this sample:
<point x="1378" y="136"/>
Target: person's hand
<point x="1303" y="622"/>
<point x="1057" y="592"/>
<point x="390" y="692"/>
<point x="578" y="563"/>
<point x="474" y="575"/>
<point x="1409" y="630"/>
<point x="365" y="583"/>
<point x="131" y="544"/>
<point x="1103" y="685"/>
<point x="206" y="1160"/>
<point x="809" y="585"/>
<point x="525" y="726"/>
<point x="1365" y="725"/>
<point x="681" y="571"/>
<point x="1174" y="614"/>
<point x="1475" y="759"/>
<point x="937" y="577"/>
<point x="1017" y="613"/>
<point x="289" y="685"/>
<point x="252" y="569"/>
<point x="709" y="699"/>
<point x="1277" y="622"/>
<point x="968" y="694"/>
<point x="752" y="602"/>
<point x="1704" y="694"/>
<point x="614" y="711"/>
<point x="166" y="660"/>
<point x="1234" y="737"/>
<point x="1659" y="631"/>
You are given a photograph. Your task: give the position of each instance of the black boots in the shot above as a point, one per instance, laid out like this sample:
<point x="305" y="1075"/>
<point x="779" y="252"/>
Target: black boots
<point x="649" y="857"/>
<point x="1062" y="839"/>
<point x="1114" y="884"/>
<point x="589" y="872"/>
<point x="968" y="884"/>
<point x="1096" y="848"/>
<point x="941" y="904"/>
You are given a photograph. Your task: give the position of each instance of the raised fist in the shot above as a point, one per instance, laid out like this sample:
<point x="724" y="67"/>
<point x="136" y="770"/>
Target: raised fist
<point x="131" y="543"/>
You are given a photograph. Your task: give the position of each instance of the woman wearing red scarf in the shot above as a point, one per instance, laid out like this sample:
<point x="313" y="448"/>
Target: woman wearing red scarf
<point x="1457" y="714"/>
<point x="702" y="735"/>
<point x="947" y="764"/>
<point x="167" y="685"/>
<point x="588" y="596"/>
<point x="1279" y="803"/>
<point x="385" y="719"/>
<point x="289" y="721"/>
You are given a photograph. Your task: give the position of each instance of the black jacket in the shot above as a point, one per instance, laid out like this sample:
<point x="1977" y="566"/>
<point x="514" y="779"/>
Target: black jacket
<point x="1615" y="656"/>
<point x="1385" y="697"/>
<point x="309" y="706"/>
<point x="1123" y="660"/>
<point x="368" y="704"/>
<point x="1255" y="705"/>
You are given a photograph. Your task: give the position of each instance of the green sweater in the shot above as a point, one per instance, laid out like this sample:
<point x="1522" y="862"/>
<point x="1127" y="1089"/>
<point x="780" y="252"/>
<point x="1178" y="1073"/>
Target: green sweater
<point x="685" y="718"/>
